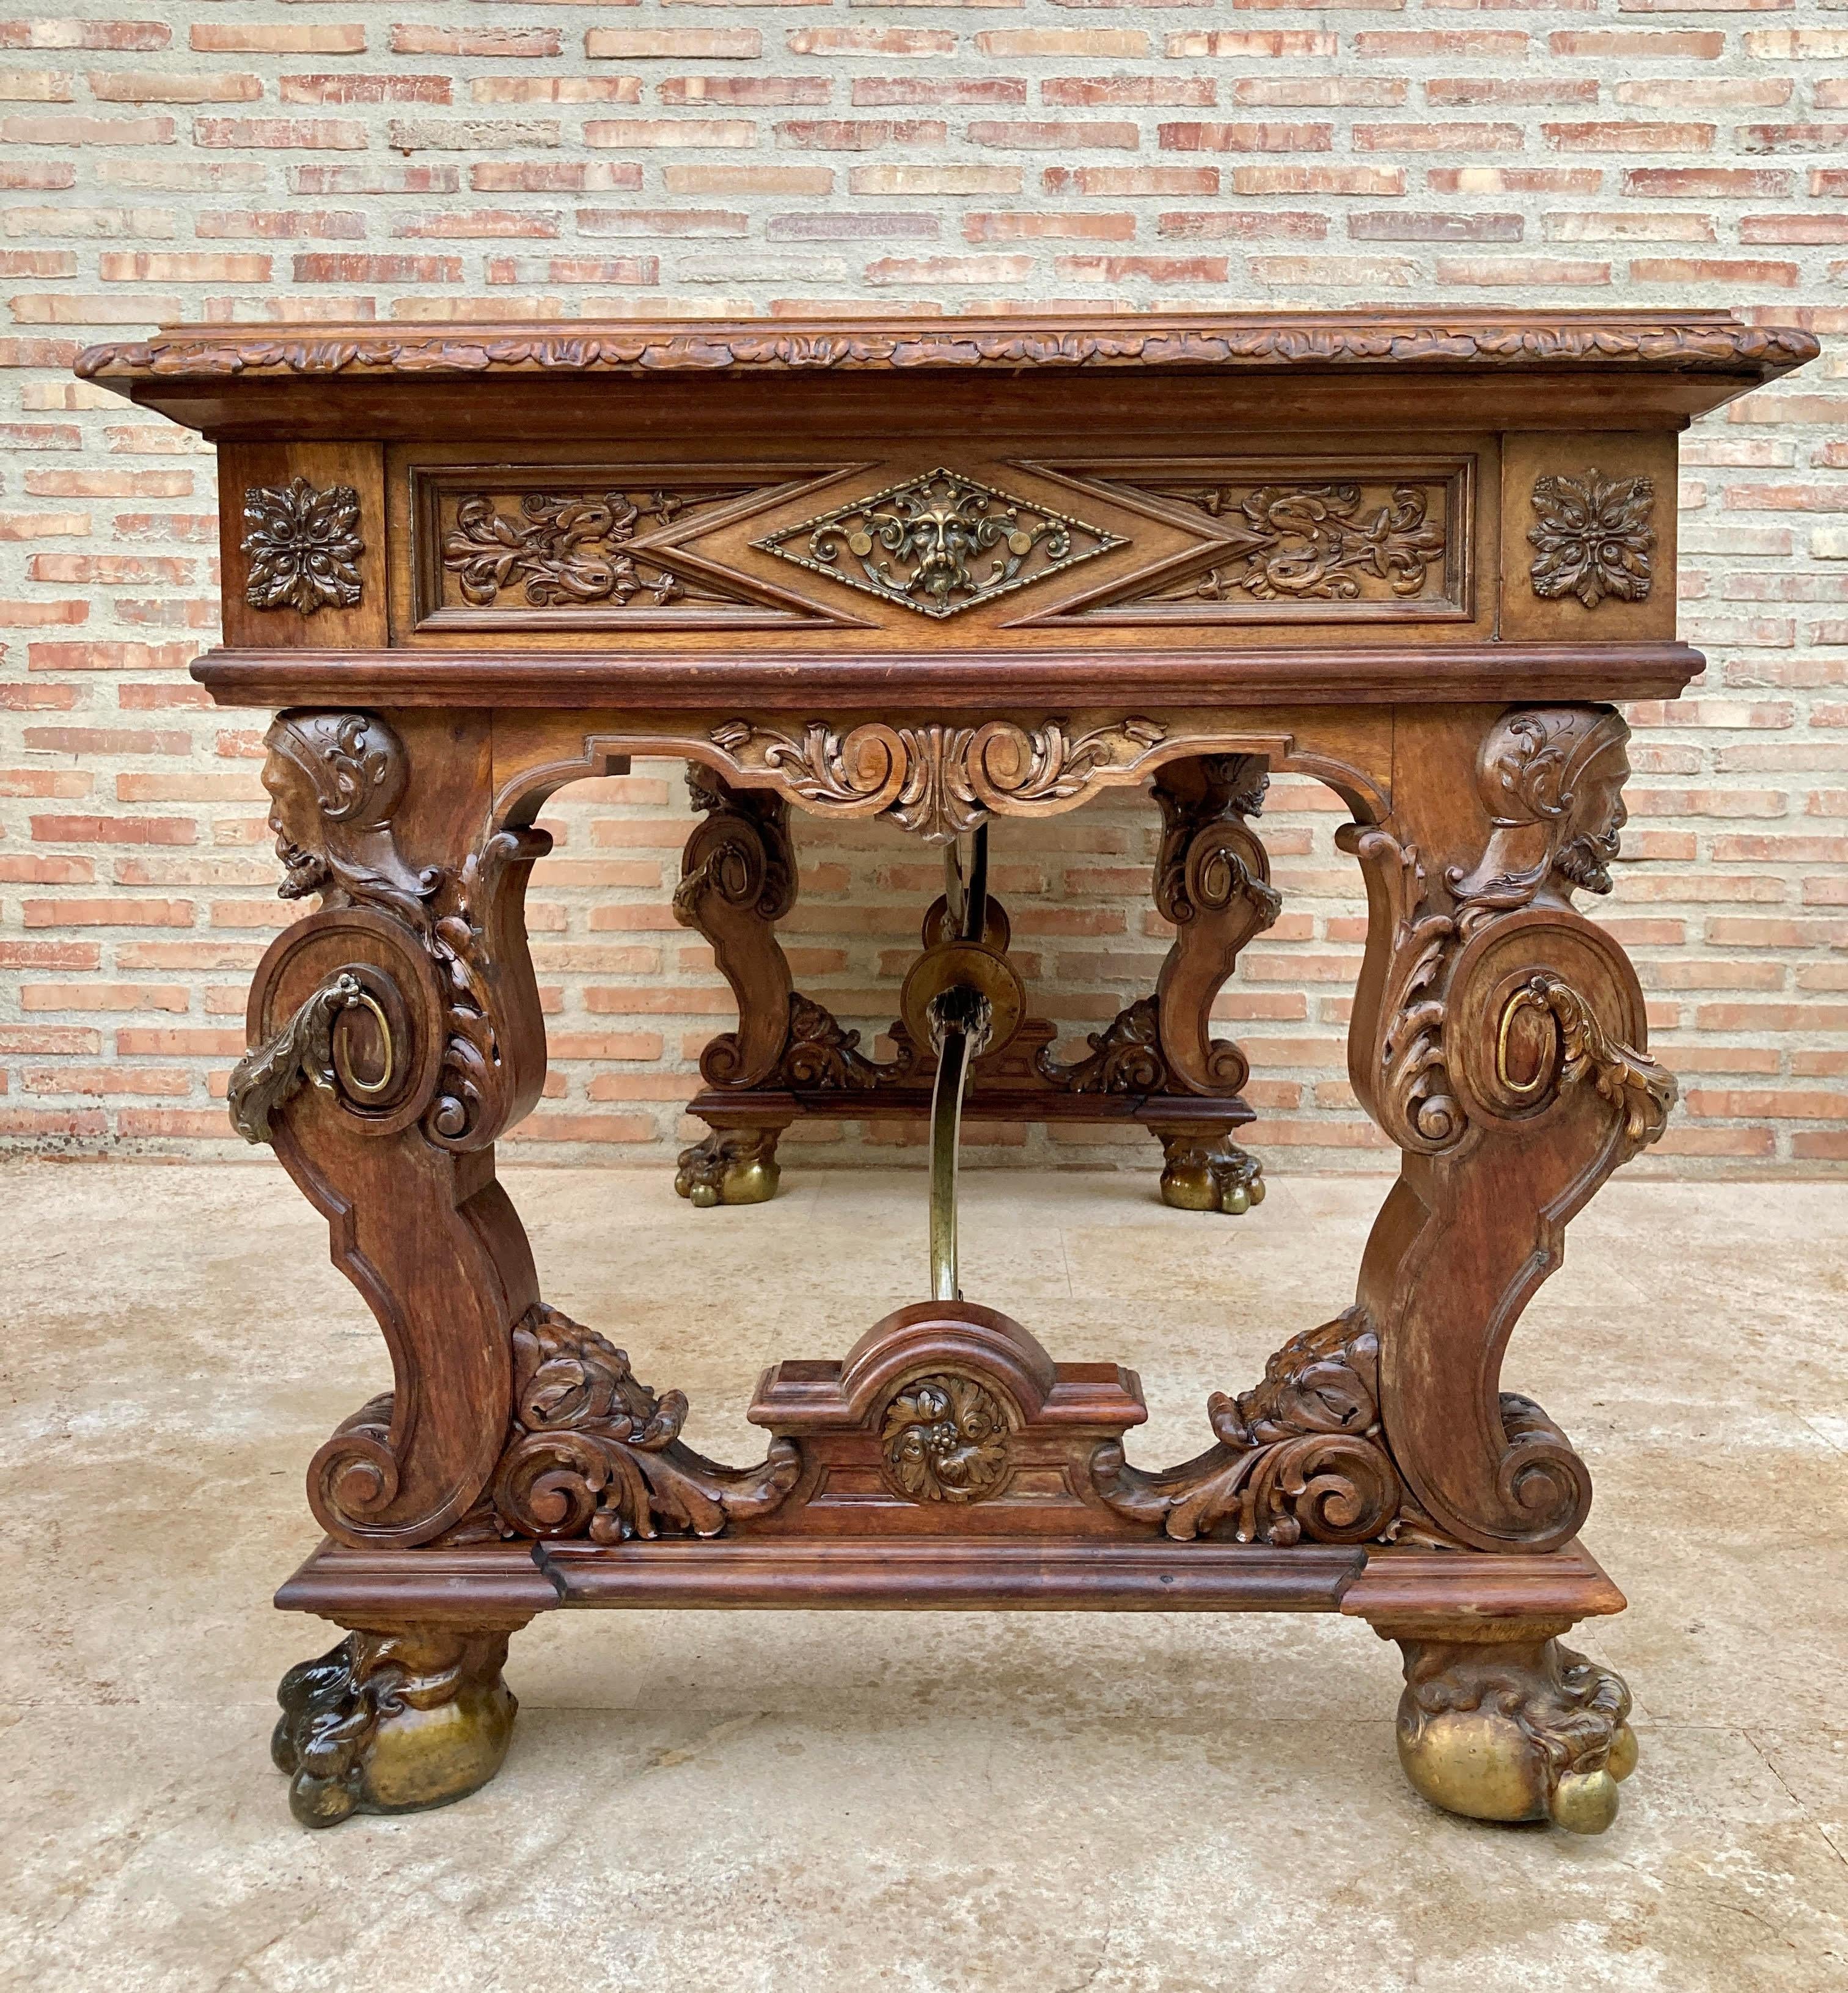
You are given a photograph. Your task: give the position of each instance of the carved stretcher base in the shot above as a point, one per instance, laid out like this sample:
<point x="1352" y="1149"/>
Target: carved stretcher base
<point x="1498" y="1721"/>
<point x="1203" y="1168"/>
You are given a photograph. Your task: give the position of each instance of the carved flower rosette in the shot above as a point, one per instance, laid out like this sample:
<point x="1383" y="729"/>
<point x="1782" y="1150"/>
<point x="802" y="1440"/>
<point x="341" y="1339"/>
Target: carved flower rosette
<point x="944" y="1439"/>
<point x="1593" y="538"/>
<point x="303" y="546"/>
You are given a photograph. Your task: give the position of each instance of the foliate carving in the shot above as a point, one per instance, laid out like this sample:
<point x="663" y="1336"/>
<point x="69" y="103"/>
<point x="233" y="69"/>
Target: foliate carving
<point x="303" y="546"/>
<point x="335" y="781"/>
<point x="1643" y="1092"/>
<point x="1126" y="1057"/>
<point x="820" y="1052"/>
<point x="301" y="1052"/>
<point x="1310" y="543"/>
<point x="938" y="781"/>
<point x="593" y="1453"/>
<point x="571" y="549"/>
<point x="944" y="1439"/>
<point x="445" y="1681"/>
<point x="1303" y="1455"/>
<point x="1719" y="344"/>
<point x="1551" y="780"/>
<point x="939" y="544"/>
<point x="1594" y="537"/>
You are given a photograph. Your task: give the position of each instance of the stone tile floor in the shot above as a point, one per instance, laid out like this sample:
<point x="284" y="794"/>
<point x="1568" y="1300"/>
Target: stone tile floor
<point x="813" y="1802"/>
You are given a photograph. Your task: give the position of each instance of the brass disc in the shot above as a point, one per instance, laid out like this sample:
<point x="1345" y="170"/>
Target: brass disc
<point x="962" y="961"/>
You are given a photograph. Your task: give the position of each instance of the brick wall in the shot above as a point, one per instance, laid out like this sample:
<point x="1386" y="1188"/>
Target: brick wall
<point x="250" y="161"/>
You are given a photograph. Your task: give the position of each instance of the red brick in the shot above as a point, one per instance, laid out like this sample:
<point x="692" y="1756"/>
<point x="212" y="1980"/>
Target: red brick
<point x="1606" y="43"/>
<point x="1707" y="182"/>
<point x="1452" y="138"/>
<point x="325" y="135"/>
<point x="420" y="38"/>
<point x="36" y="1124"/>
<point x="1793" y="139"/>
<point x="855" y="135"/>
<point x="1245" y="138"/>
<point x="345" y="86"/>
<point x="294" y="38"/>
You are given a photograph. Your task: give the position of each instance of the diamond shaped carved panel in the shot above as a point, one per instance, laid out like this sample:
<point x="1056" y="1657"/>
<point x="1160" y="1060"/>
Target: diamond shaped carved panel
<point x="939" y="543"/>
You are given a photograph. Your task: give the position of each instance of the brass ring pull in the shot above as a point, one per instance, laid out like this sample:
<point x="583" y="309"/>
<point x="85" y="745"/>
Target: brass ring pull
<point x="369" y="1089"/>
<point x="1531" y="995"/>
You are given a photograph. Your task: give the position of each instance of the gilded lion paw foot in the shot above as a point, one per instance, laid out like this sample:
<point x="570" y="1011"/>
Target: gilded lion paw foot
<point x="1200" y="1173"/>
<point x="1515" y="1729"/>
<point x="731" y="1166"/>
<point x="393" y="1722"/>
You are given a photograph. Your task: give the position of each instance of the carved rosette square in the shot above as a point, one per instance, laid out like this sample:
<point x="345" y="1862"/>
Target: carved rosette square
<point x="939" y="543"/>
<point x="1594" y="539"/>
<point x="303" y="546"/>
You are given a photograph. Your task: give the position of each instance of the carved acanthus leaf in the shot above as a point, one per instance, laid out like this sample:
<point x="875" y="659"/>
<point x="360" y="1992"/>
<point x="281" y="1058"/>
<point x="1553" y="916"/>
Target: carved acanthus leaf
<point x="944" y="1439"/>
<point x="1308" y="543"/>
<point x="1303" y="1455"/>
<point x="593" y="1453"/>
<point x="820" y="1051"/>
<point x="565" y="549"/>
<point x="301" y="1052"/>
<point x="1642" y="1091"/>
<point x="1125" y="1056"/>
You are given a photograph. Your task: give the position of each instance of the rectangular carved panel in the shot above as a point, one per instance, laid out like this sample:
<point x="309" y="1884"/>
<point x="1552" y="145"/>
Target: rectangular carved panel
<point x="1340" y="538"/>
<point x="528" y="547"/>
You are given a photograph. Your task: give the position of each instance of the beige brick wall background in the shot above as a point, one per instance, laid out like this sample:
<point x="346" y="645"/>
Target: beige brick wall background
<point x="247" y="161"/>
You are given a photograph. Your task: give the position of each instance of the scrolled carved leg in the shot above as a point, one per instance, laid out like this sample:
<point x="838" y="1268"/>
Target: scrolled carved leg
<point x="1510" y="1725"/>
<point x="737" y="879"/>
<point x="730" y="1165"/>
<point x="1203" y="1169"/>
<point x="393" y="1033"/>
<point x="1213" y="880"/>
<point x="1498" y="1039"/>
<point x="394" y="1720"/>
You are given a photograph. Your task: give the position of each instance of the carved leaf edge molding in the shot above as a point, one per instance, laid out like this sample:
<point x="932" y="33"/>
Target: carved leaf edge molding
<point x="1668" y="346"/>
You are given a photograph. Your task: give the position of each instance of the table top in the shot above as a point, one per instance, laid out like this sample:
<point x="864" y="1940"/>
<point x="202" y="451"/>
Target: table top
<point x="955" y="512"/>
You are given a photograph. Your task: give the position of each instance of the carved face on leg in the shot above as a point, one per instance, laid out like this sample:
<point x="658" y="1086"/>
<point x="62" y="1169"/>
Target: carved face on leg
<point x="1598" y="817"/>
<point x="335" y="782"/>
<point x="295" y="817"/>
<point x="1552" y="780"/>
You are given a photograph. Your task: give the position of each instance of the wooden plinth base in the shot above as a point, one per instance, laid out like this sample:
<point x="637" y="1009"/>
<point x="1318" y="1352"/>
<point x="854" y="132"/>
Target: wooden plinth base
<point x="775" y="1109"/>
<point x="1389" y="1584"/>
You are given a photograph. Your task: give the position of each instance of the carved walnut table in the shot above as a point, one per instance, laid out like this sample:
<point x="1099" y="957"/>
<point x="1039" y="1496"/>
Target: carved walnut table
<point x="935" y="573"/>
